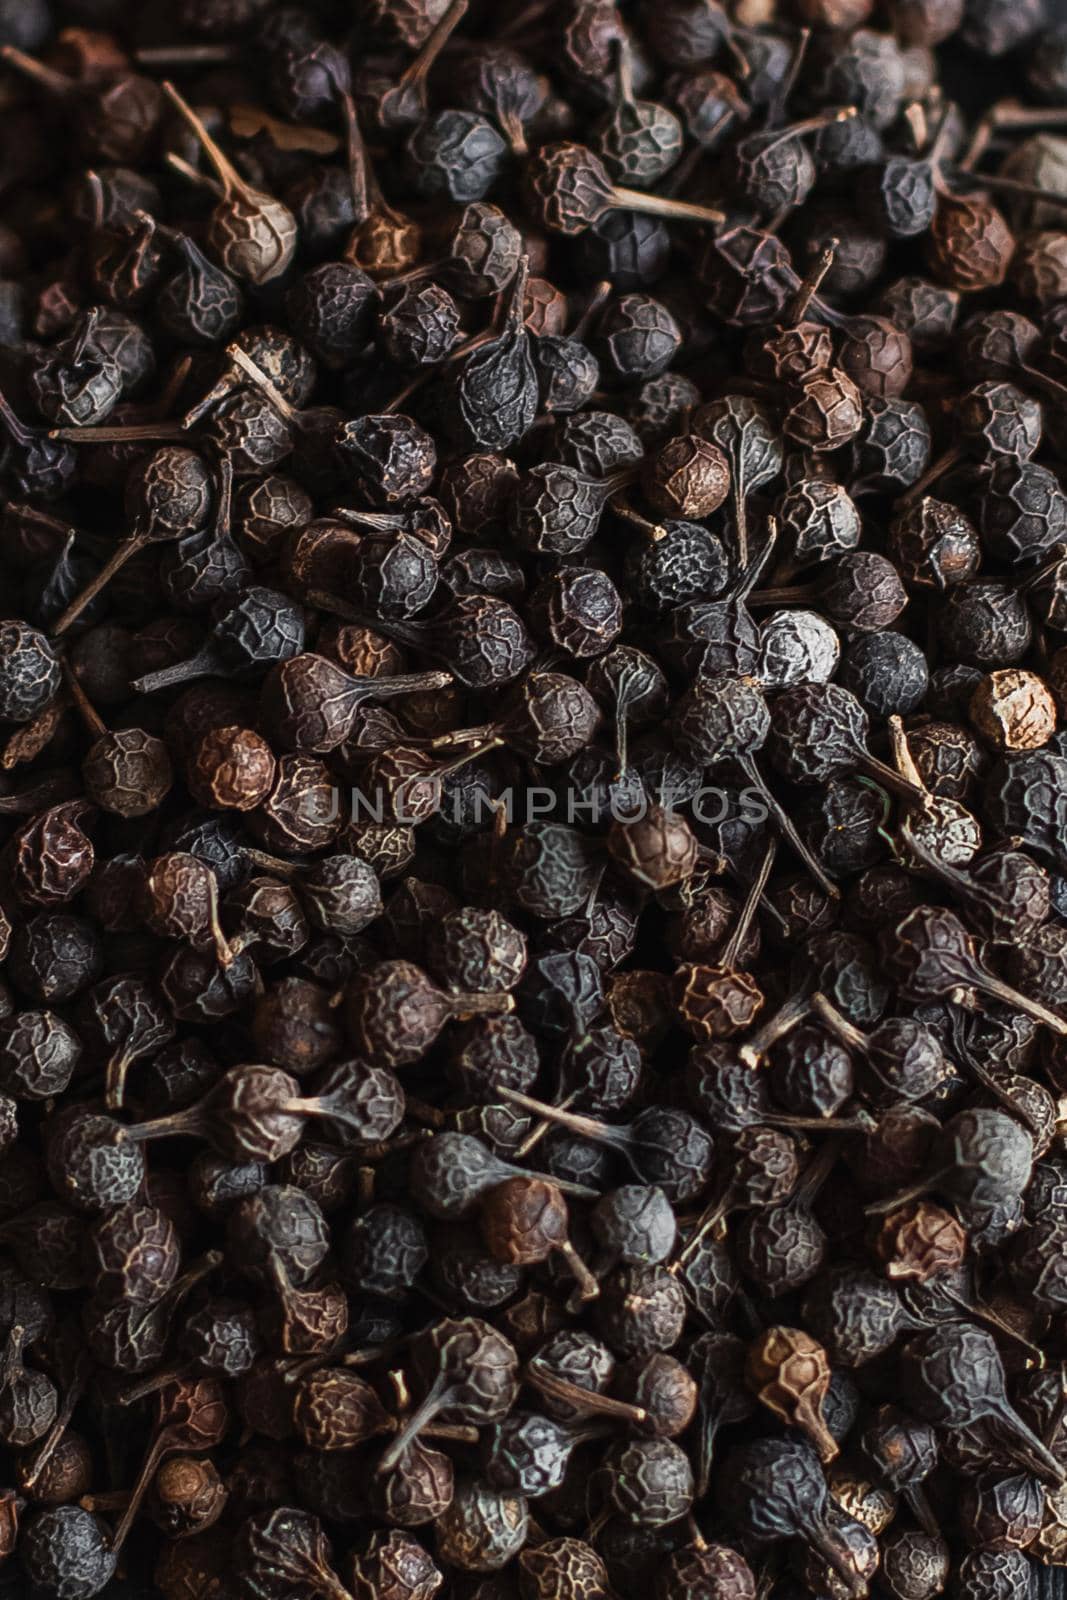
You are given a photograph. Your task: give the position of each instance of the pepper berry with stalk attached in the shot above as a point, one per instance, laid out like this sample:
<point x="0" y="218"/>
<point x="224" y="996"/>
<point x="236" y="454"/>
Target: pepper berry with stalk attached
<point x="532" y="800"/>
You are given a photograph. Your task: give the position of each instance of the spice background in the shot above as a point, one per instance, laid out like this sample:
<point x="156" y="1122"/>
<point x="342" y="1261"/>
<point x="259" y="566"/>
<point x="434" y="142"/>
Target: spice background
<point x="538" y="1184"/>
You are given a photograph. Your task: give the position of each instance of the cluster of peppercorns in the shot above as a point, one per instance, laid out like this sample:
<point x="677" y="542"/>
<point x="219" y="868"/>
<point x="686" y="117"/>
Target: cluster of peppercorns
<point x="533" y="831"/>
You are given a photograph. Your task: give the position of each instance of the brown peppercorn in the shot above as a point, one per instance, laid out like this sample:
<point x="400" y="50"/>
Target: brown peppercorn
<point x="662" y="1387"/>
<point x="706" y="1572"/>
<point x="1039" y="268"/>
<point x="394" y="1012"/>
<point x="360" y="651"/>
<point x="870" y="1503"/>
<point x="393" y="1565"/>
<point x="232" y="769"/>
<point x="321" y="555"/>
<point x="876" y="356"/>
<point x="187" y="1496"/>
<point x="858" y="1558"/>
<point x="266" y="510"/>
<point x="701" y="929"/>
<point x="686" y="477"/>
<point x="1050" y="1545"/>
<point x="304" y="1321"/>
<point x="789" y="355"/>
<point x="302" y="812"/>
<point x="295" y="1026"/>
<point x="919" y="1240"/>
<point x="417" y="1490"/>
<point x="970" y="245"/>
<point x="385" y="245"/>
<point x="253" y="235"/>
<point x="715" y="1002"/>
<point x="827" y="413"/>
<point x="524" y="1220"/>
<point x="790" y="1374"/>
<point x="387" y="847"/>
<point x="1014" y="710"/>
<point x="483" y="1528"/>
<point x="128" y="772"/>
<point x="334" y="1409"/>
<point x="639" y="1004"/>
<point x="934" y="544"/>
<point x="477" y="490"/>
<point x="50" y="858"/>
<point x="562" y="1569"/>
<point x="66" y="1475"/>
<point x="656" y="850"/>
<point x="544" y="307"/>
<point x="180" y="900"/>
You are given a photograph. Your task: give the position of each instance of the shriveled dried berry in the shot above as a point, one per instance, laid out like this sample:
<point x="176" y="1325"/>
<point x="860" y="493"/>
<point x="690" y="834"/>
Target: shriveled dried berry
<point x="592" y="935"/>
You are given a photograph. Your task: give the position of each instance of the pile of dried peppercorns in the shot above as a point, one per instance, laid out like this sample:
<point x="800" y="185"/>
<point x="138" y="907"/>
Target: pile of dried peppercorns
<point x="533" y="831"/>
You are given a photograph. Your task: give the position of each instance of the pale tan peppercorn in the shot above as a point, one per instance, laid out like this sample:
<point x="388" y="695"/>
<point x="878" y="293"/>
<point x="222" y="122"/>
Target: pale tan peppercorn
<point x="1014" y="710"/>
